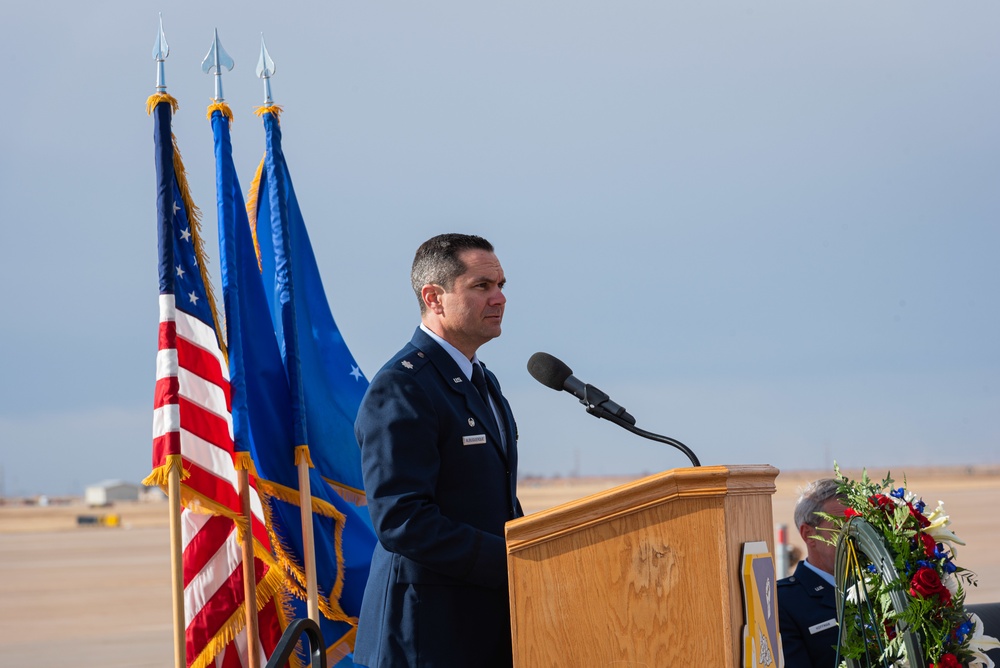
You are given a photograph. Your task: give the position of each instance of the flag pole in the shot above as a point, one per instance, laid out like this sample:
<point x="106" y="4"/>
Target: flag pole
<point x="177" y="566"/>
<point x="308" y="540"/>
<point x="303" y="462"/>
<point x="249" y="575"/>
<point x="160" y="52"/>
<point x="214" y="62"/>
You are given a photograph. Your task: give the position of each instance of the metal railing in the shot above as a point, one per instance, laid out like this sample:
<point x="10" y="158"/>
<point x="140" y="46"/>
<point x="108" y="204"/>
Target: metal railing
<point x="290" y="638"/>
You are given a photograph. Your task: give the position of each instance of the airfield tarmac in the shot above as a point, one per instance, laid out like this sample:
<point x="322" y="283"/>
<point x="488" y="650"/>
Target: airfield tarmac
<point x="99" y="597"/>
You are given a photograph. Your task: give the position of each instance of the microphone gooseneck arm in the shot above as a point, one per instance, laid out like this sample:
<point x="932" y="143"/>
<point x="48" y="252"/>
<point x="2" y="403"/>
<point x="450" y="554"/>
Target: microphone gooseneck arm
<point x="650" y="435"/>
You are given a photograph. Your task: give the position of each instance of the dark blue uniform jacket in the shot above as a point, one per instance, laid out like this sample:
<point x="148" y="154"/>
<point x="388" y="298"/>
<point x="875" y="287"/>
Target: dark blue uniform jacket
<point x="807" y="617"/>
<point x="440" y="487"/>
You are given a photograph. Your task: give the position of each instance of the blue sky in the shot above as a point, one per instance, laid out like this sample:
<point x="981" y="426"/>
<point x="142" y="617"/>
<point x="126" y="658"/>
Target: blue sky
<point x="770" y="230"/>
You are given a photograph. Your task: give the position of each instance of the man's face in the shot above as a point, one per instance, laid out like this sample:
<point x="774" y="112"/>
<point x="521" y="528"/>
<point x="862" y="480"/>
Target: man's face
<point x="472" y="311"/>
<point x="820" y="554"/>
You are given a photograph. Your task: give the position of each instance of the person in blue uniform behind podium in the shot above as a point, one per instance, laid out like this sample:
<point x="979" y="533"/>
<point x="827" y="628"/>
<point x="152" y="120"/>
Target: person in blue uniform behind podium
<point x="439" y="456"/>
<point x="807" y="607"/>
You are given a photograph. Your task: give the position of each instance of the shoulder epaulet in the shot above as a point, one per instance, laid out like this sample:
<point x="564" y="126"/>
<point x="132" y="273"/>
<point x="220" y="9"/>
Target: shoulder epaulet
<point x="786" y="581"/>
<point x="411" y="360"/>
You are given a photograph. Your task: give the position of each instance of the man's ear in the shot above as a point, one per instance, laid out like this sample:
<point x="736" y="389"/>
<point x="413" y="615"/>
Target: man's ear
<point x="806" y="532"/>
<point x="431" y="294"/>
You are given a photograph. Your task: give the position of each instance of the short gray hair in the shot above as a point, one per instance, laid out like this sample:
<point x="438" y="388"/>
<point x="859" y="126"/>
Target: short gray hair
<point x="436" y="261"/>
<point x="814" y="496"/>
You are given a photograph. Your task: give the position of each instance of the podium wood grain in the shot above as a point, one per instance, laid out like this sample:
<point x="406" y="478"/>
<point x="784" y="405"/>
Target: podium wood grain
<point x="645" y="574"/>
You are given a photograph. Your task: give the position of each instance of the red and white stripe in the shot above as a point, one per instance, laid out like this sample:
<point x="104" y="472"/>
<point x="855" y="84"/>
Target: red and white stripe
<point x="193" y="417"/>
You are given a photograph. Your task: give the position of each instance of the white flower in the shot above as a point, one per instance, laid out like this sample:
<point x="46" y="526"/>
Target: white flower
<point x="856" y="593"/>
<point x="981" y="643"/>
<point x="951" y="583"/>
<point x="938" y="529"/>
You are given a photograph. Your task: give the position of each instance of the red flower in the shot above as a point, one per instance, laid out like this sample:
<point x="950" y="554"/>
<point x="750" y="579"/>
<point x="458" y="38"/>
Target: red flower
<point x="884" y="502"/>
<point x="948" y="660"/>
<point x="851" y="512"/>
<point x="926" y="583"/>
<point x="929" y="544"/>
<point x="919" y="517"/>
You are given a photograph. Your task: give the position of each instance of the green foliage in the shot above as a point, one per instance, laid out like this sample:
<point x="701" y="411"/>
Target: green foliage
<point x="874" y="626"/>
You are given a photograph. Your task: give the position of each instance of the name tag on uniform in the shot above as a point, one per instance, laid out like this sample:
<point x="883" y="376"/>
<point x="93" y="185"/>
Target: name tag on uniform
<point x="477" y="439"/>
<point x="822" y="626"/>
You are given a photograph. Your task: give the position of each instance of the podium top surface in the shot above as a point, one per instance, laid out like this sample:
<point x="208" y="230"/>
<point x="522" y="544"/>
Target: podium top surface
<point x="657" y="489"/>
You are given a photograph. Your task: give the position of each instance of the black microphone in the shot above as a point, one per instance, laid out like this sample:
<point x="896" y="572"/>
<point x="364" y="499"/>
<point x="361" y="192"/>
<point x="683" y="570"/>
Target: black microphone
<point x="553" y="372"/>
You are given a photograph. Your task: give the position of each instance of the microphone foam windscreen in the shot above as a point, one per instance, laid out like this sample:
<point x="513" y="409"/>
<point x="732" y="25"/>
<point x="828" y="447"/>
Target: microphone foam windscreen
<point x="549" y="371"/>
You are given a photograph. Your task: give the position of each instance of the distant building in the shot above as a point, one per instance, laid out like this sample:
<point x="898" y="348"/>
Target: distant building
<point x="109" y="491"/>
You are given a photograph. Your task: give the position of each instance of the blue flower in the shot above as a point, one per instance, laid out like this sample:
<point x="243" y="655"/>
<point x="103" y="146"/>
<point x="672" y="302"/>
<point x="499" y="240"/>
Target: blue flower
<point x="919" y="505"/>
<point x="948" y="566"/>
<point x="898" y="493"/>
<point x="871" y="568"/>
<point x="963" y="631"/>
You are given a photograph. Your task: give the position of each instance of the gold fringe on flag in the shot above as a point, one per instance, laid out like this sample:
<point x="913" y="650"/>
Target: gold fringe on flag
<point x="194" y="218"/>
<point x="220" y="107"/>
<point x="348" y="493"/>
<point x="244" y="462"/>
<point x="286" y="614"/>
<point x="271" y="586"/>
<point x="328" y="604"/>
<point x="160" y="476"/>
<point x="252" y="194"/>
<point x="252" y="208"/>
<point x="273" y="109"/>
<point x="341" y="648"/>
<point x="267" y="588"/>
<point x="302" y="455"/>
<point x="156" y="98"/>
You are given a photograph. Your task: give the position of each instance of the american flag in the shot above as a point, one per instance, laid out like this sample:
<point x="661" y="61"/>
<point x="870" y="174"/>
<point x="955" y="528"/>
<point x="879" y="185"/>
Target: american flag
<point x="192" y="428"/>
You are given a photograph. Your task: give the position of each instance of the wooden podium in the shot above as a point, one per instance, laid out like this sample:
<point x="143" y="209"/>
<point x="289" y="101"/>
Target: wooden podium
<point x="645" y="574"/>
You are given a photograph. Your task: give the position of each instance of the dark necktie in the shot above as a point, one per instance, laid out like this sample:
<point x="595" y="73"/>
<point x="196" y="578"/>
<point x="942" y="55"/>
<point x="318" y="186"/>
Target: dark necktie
<point x="479" y="380"/>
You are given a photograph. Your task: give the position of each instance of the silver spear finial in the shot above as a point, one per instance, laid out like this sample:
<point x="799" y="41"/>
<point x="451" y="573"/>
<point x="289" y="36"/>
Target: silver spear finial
<point x="216" y="59"/>
<point x="265" y="70"/>
<point x="160" y="52"/>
